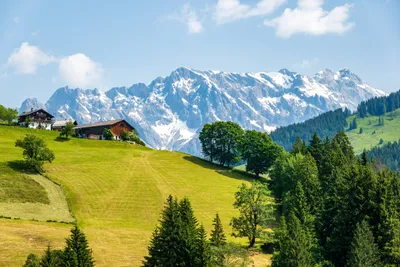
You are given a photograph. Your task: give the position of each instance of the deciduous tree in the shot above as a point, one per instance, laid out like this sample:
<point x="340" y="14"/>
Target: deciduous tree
<point x="256" y="211"/>
<point x="35" y="152"/>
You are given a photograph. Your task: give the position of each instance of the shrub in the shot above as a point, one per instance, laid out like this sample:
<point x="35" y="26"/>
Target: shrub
<point x="108" y="135"/>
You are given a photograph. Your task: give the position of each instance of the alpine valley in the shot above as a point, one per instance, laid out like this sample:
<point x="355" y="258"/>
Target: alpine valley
<point x="170" y="111"/>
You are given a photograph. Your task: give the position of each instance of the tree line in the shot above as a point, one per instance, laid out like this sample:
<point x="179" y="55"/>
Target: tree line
<point x="378" y="106"/>
<point x="334" y="209"/>
<point x="8" y="114"/>
<point x="325" y="125"/>
<point x="227" y="143"/>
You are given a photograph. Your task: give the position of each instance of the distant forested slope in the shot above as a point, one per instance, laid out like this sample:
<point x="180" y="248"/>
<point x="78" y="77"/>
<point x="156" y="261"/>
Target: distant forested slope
<point x="388" y="154"/>
<point x="379" y="106"/>
<point x="325" y="125"/>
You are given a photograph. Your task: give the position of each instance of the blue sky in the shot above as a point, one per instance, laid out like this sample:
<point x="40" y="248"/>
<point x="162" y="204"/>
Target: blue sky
<point x="49" y="44"/>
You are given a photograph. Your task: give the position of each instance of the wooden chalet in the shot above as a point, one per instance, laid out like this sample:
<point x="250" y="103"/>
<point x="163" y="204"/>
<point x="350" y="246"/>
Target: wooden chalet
<point x="59" y="125"/>
<point x="96" y="130"/>
<point x="37" y="119"/>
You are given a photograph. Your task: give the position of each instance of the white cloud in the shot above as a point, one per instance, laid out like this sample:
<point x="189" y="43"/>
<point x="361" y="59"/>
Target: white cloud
<point x="17" y="20"/>
<point x="188" y="17"/>
<point x="27" y="58"/>
<point x="310" y="18"/>
<point x="80" y="71"/>
<point x="230" y="10"/>
<point x="306" y="63"/>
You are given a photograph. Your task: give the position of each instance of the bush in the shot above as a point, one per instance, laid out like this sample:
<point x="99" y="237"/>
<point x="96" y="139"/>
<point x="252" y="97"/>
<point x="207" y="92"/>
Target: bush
<point x="108" y="135"/>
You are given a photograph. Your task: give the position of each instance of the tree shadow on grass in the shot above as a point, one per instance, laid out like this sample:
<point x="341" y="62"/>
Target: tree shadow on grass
<point x="61" y="139"/>
<point x="225" y="171"/>
<point x="19" y="166"/>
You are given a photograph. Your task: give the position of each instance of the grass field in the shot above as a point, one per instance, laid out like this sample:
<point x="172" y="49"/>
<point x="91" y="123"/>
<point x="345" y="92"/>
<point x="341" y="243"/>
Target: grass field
<point x="117" y="191"/>
<point x="368" y="139"/>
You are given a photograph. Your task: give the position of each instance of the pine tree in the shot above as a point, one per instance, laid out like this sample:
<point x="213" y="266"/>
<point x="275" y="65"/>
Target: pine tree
<point x="364" y="252"/>
<point x="189" y="231"/>
<point x="203" y="249"/>
<point x="299" y="147"/>
<point x="177" y="241"/>
<point x="77" y="252"/>
<point x="217" y="234"/>
<point x="355" y="126"/>
<point x="393" y="246"/>
<point x="295" y="245"/>
<point x="52" y="258"/>
<point x="165" y="244"/>
<point x="316" y="149"/>
<point x="32" y="261"/>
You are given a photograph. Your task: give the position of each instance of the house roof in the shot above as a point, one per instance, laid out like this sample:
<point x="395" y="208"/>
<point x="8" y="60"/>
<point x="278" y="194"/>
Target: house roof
<point x="62" y="123"/>
<point x="27" y="113"/>
<point x="100" y="124"/>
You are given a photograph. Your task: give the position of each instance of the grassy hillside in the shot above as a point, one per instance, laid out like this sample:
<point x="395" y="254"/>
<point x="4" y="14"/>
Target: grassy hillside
<point x="116" y="191"/>
<point x="390" y="131"/>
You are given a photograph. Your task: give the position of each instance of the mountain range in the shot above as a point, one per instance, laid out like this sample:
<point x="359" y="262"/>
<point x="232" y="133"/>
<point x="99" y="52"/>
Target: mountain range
<point x="170" y="111"/>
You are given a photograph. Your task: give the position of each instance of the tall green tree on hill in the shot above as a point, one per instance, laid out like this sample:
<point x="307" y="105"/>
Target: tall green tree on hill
<point x="178" y="240"/>
<point x="364" y="252"/>
<point x="299" y="147"/>
<point x="36" y="152"/>
<point x="218" y="238"/>
<point x="294" y="243"/>
<point x="255" y="209"/>
<point x="259" y="152"/>
<point x="77" y="252"/>
<point x="220" y="141"/>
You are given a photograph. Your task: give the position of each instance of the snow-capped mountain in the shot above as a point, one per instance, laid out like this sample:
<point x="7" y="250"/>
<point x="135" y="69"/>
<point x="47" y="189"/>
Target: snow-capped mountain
<point x="170" y="111"/>
<point x="30" y="103"/>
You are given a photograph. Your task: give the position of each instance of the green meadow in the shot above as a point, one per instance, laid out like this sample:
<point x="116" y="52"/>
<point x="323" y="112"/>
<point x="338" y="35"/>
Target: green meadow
<point x="373" y="132"/>
<point x="115" y="191"/>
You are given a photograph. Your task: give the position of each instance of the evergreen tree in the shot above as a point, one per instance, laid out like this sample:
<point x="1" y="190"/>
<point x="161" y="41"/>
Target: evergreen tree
<point x="392" y="248"/>
<point x="51" y="258"/>
<point x="189" y="233"/>
<point x="364" y="251"/>
<point x="294" y="243"/>
<point x="217" y="234"/>
<point x="203" y="249"/>
<point x="355" y="126"/>
<point x="178" y="241"/>
<point x="316" y="149"/>
<point x="299" y="147"/>
<point x="77" y="252"/>
<point x="361" y="130"/>
<point x="32" y="261"/>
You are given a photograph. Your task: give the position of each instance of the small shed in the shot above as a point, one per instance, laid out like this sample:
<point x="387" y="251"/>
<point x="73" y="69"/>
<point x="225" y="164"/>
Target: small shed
<point x="59" y="125"/>
<point x="96" y="130"/>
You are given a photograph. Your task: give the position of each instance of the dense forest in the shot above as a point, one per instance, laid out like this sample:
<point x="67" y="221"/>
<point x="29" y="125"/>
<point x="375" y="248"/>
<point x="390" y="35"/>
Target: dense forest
<point x="378" y="106"/>
<point x="325" y="125"/>
<point x="388" y="155"/>
<point x="333" y="208"/>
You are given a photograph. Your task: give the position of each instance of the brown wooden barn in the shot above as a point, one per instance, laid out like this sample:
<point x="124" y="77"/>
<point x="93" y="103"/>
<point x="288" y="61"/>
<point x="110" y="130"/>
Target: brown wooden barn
<point x="96" y="130"/>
